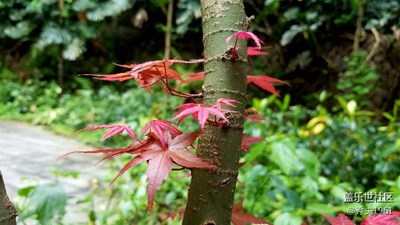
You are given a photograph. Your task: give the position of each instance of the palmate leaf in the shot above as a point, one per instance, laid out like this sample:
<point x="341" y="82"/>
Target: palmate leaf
<point x="113" y="130"/>
<point x="376" y="219"/>
<point x="160" y="157"/>
<point x="158" y="127"/>
<point x="201" y="112"/>
<point x="246" y="35"/>
<point x="148" y="73"/>
<point x="265" y="83"/>
<point x="382" y="219"/>
<point x="341" y="219"/>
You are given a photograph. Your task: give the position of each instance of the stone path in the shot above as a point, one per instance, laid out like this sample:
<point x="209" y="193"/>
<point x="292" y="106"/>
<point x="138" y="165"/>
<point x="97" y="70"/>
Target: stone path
<point x="28" y="153"/>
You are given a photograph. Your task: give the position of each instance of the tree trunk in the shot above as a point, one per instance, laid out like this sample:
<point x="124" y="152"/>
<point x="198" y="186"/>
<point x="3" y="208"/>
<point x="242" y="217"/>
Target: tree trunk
<point x="211" y="193"/>
<point x="170" y="12"/>
<point x="8" y="213"/>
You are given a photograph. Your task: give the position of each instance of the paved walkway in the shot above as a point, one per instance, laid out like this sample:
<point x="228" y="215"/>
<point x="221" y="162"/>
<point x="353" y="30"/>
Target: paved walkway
<point x="28" y="153"/>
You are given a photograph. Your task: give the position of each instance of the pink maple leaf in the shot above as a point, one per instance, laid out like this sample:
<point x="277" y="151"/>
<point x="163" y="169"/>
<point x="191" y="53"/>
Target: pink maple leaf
<point x="246" y="141"/>
<point x="160" y="158"/>
<point x="148" y="73"/>
<point x="265" y="83"/>
<point x="158" y="127"/>
<point x="192" y="77"/>
<point x="245" y="35"/>
<point x="254" y="51"/>
<point x="253" y="115"/>
<point x="382" y="219"/>
<point x="113" y="130"/>
<point x="201" y="112"/>
<point x="241" y="218"/>
<point x="341" y="219"/>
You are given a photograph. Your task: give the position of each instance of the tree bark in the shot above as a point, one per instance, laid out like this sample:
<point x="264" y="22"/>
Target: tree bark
<point x="211" y="192"/>
<point x="8" y="213"/>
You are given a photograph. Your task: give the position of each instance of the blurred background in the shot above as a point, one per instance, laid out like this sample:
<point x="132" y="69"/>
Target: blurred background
<point x="335" y="129"/>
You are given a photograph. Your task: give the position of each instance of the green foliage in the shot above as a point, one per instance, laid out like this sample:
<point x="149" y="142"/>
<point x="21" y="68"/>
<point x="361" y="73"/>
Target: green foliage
<point x="305" y="167"/>
<point x="359" y="79"/>
<point x="188" y="11"/>
<point x="68" y="23"/>
<point x="45" y="203"/>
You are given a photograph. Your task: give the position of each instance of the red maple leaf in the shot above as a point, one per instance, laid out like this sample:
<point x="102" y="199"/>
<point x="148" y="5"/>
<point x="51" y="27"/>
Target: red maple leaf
<point x="254" y="51"/>
<point x="265" y="83"/>
<point x="245" y="35"/>
<point x="160" y="158"/>
<point x="246" y="141"/>
<point x="159" y="127"/>
<point x="113" y="130"/>
<point x="201" y="112"/>
<point x="253" y="115"/>
<point x="148" y="73"/>
<point x="192" y="77"/>
<point x="341" y="219"/>
<point x="241" y="218"/>
<point x="382" y="219"/>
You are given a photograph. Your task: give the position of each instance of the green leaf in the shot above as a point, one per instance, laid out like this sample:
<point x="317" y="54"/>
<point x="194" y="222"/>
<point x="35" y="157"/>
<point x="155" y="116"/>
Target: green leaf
<point x="283" y="154"/>
<point x="109" y="8"/>
<point x="288" y="219"/>
<point x="54" y="34"/>
<point x="310" y="162"/>
<point x="20" y="30"/>
<point x="289" y="35"/>
<point x="83" y="5"/>
<point x="188" y="10"/>
<point x="322" y="208"/>
<point x="271" y="6"/>
<point x="74" y="49"/>
<point x="24" y="192"/>
<point x="46" y="201"/>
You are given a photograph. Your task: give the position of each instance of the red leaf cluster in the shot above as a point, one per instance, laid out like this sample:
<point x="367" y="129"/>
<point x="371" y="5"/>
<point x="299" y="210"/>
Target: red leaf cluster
<point x="165" y="146"/>
<point x="148" y="73"/>
<point x="201" y="112"/>
<point x="376" y="219"/>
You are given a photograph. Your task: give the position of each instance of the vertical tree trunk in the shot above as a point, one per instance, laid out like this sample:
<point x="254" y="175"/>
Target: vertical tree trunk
<point x="8" y="213"/>
<point x="211" y="193"/>
<point x="167" y="49"/>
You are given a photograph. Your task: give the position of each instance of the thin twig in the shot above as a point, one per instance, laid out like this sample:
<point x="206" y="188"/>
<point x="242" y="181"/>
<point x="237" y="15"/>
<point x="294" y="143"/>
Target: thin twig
<point x="375" y="46"/>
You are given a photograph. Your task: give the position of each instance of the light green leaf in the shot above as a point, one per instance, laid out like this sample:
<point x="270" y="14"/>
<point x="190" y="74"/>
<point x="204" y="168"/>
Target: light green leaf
<point x="283" y="154"/>
<point x="73" y="50"/>
<point x="46" y="201"/>
<point x="109" y="8"/>
<point x="20" y="30"/>
<point x="288" y="219"/>
<point x="288" y="36"/>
